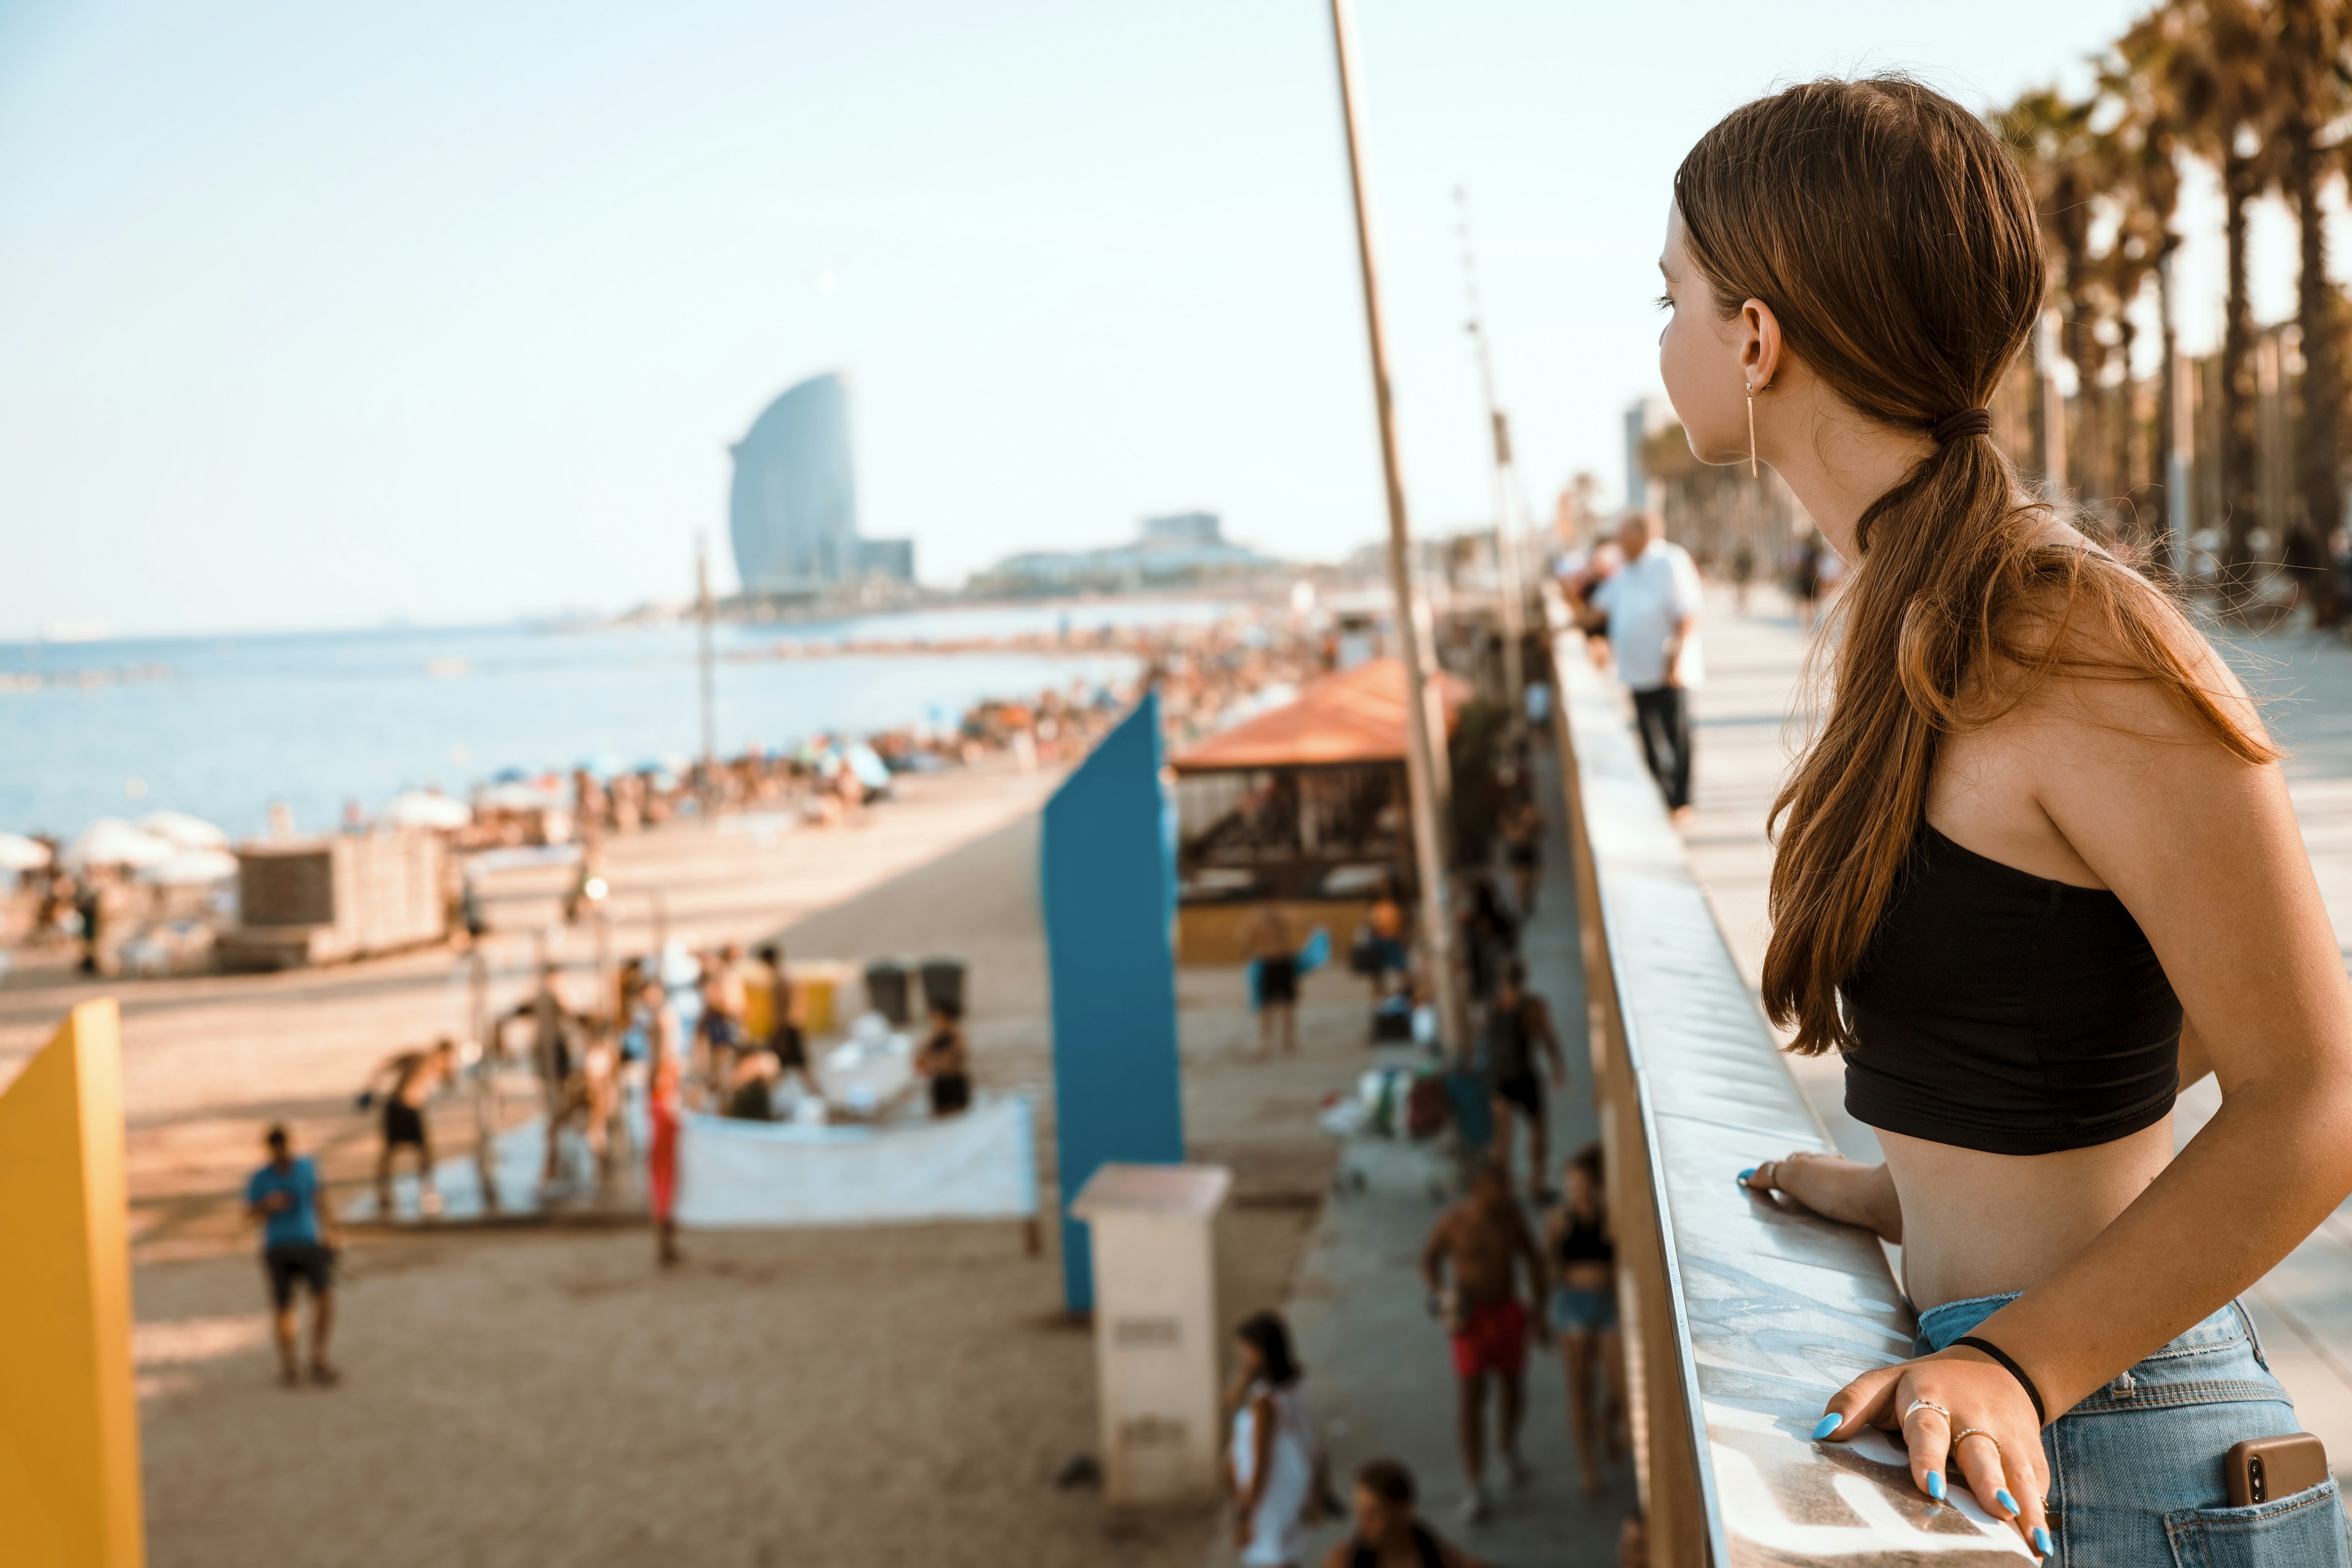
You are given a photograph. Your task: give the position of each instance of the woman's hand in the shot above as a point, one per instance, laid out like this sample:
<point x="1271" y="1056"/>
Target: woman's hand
<point x="1835" y="1188"/>
<point x="1957" y="1408"/>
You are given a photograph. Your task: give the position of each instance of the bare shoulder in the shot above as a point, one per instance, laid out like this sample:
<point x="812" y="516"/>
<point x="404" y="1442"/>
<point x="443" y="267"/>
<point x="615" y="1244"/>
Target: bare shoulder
<point x="2118" y="657"/>
<point x="1342" y="1553"/>
<point x="2106" y="716"/>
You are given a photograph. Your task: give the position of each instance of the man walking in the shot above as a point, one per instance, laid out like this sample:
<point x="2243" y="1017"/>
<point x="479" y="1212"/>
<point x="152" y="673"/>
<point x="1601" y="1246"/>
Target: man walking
<point x="1472" y="1264"/>
<point x="413" y="1077"/>
<point x="552" y="1058"/>
<point x="1519" y="1026"/>
<point x="298" y="1242"/>
<point x="1650" y="609"/>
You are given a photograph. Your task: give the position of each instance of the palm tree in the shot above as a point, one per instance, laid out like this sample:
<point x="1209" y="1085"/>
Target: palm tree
<point x="2212" y="56"/>
<point x="2050" y="135"/>
<point x="2309" y="41"/>
<point x="2146" y="141"/>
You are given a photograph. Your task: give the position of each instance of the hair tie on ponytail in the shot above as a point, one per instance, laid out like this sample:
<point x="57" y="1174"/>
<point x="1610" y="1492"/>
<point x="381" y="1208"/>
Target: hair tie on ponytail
<point x="1967" y="422"/>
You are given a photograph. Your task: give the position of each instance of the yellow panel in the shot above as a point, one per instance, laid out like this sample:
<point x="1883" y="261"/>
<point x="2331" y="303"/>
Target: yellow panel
<point x="68" y="1415"/>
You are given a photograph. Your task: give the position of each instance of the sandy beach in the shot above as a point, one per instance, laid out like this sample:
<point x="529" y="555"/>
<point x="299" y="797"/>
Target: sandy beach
<point x="546" y="1395"/>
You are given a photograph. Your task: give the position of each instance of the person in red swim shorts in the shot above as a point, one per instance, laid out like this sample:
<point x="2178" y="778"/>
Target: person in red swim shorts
<point x="1473" y="1264"/>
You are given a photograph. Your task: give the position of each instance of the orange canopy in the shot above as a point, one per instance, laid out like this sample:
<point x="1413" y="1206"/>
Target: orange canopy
<point x="1357" y="717"/>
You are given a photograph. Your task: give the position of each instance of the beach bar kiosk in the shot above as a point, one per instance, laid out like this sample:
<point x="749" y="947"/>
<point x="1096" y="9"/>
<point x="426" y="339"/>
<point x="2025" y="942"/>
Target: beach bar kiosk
<point x="1303" y="807"/>
<point x="327" y="901"/>
<point x="1160" y="1326"/>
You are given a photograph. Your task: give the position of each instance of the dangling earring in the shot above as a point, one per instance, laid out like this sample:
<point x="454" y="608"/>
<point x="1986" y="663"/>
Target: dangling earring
<point x="1751" y="430"/>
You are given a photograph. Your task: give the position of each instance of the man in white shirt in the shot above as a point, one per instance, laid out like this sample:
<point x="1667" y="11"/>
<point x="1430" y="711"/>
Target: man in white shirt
<point x="1650" y="611"/>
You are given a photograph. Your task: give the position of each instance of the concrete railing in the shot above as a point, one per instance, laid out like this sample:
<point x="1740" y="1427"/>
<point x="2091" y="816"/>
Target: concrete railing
<point x="1741" y="1316"/>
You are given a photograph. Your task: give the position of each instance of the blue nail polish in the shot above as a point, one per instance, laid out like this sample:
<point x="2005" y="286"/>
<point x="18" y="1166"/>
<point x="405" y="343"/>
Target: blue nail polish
<point x="2001" y="1495"/>
<point x="1936" y="1485"/>
<point x="2041" y="1541"/>
<point x="1745" y="1174"/>
<point x="1827" y="1425"/>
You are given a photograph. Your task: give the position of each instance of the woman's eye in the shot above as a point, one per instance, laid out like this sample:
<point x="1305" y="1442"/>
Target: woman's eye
<point x="1665" y="301"/>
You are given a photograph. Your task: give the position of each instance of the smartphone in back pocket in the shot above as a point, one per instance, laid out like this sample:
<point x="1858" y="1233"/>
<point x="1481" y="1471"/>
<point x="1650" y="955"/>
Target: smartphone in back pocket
<point x="2262" y="1468"/>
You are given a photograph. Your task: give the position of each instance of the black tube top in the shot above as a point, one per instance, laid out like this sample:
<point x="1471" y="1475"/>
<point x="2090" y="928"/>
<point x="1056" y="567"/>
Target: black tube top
<point x="2002" y="1011"/>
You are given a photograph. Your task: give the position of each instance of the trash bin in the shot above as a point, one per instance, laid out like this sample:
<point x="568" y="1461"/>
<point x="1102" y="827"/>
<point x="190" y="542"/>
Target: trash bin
<point x="1160" y="1326"/>
<point x="886" y="990"/>
<point x="943" y="983"/>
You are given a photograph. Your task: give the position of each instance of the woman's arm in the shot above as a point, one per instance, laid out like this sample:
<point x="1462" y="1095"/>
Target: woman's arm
<point x="2204" y="851"/>
<point x="1262" y="1419"/>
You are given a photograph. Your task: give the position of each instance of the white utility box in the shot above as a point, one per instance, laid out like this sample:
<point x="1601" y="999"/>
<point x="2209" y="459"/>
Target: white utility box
<point x="1159" y="1326"/>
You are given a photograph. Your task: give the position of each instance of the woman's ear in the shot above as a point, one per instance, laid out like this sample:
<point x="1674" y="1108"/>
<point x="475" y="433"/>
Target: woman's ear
<point x="1760" y="344"/>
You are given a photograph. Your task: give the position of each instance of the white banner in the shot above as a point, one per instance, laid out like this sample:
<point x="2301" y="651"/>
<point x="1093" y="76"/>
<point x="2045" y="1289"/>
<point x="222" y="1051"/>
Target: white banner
<point x="980" y="1164"/>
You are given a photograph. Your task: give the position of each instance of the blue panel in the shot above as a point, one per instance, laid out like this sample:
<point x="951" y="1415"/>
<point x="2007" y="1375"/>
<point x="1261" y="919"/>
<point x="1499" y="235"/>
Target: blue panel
<point x="1109" y="881"/>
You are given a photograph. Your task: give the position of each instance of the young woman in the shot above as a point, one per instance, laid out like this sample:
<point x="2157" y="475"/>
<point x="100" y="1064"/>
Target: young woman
<point x="1275" y="1467"/>
<point x="1584" y="1313"/>
<point x="2037" y="866"/>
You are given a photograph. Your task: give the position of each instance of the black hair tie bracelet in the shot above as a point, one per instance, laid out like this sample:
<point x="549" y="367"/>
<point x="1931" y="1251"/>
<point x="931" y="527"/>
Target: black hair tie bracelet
<point x="2040" y="1416"/>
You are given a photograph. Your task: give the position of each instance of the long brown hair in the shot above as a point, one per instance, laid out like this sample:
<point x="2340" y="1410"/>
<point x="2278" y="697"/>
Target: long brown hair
<point x="1895" y="239"/>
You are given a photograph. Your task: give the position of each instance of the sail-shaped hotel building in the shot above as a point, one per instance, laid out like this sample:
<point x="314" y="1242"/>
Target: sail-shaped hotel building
<point x="793" y="511"/>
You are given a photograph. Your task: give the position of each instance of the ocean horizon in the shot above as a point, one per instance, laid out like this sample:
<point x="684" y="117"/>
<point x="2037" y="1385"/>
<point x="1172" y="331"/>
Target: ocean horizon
<point x="222" y="727"/>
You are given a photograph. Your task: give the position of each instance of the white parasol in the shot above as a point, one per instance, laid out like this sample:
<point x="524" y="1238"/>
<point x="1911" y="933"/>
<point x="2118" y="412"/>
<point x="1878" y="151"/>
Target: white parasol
<point x="423" y="808"/>
<point x="18" y="853"/>
<point x="111" y="841"/>
<point x="191" y="869"/>
<point x="185" y="831"/>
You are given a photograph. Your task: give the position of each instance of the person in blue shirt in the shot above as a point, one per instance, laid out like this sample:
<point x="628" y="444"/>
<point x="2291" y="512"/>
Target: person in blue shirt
<point x="298" y="1241"/>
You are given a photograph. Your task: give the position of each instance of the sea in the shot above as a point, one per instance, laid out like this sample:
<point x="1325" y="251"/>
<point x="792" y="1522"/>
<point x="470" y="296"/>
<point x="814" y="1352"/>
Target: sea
<point x="222" y="727"/>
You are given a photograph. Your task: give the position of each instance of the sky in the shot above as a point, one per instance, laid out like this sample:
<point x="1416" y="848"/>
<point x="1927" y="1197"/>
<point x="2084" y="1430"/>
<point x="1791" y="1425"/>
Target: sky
<point x="336" y="315"/>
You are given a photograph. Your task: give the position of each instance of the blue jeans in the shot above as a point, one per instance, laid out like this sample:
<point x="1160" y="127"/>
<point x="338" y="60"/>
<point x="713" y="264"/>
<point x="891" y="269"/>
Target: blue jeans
<point x="2136" y="1470"/>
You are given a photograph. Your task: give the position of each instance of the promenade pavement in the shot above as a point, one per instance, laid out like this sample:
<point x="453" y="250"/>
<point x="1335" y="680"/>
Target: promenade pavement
<point x="1378" y="1374"/>
<point x="1748" y="721"/>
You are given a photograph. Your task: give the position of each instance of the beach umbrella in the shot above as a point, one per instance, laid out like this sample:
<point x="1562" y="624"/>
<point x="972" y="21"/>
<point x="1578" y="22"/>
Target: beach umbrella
<point x="183" y="831"/>
<point x="422" y="808"/>
<point x="18" y="853"/>
<point x="600" y="767"/>
<point x="191" y="869"/>
<point x="111" y="841"/>
<point x="861" y="760"/>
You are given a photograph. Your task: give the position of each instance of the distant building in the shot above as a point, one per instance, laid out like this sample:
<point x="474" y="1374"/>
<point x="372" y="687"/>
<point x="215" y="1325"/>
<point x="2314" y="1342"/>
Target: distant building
<point x="793" y="511"/>
<point x="1177" y="550"/>
<point x="1645" y="417"/>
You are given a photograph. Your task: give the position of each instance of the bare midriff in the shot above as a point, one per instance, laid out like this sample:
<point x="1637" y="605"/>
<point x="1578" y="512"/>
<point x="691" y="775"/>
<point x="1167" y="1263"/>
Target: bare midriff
<point x="1987" y="1225"/>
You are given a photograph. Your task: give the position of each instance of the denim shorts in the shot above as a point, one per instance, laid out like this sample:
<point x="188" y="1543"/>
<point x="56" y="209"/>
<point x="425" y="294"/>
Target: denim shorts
<point x="1575" y="1308"/>
<point x="2136" y="1470"/>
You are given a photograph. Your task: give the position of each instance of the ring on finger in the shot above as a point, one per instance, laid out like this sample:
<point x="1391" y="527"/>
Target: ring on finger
<point x="1965" y="1433"/>
<point x="1918" y="1404"/>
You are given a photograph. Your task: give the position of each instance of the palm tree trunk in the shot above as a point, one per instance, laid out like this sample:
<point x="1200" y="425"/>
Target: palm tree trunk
<point x="2127" y="427"/>
<point x="2083" y="348"/>
<point x="2160" y="458"/>
<point x="2242" y="501"/>
<point x="2316" y="465"/>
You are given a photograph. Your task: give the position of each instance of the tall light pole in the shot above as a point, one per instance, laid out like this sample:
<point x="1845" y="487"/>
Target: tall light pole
<point x="1426" y="730"/>
<point x="1507" y="585"/>
<point x="703" y="615"/>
